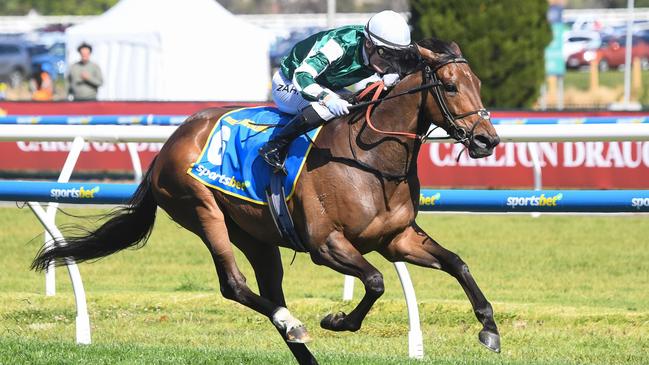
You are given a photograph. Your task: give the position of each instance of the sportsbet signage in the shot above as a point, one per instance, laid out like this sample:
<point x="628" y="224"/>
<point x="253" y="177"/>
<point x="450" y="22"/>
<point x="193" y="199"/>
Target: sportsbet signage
<point x="75" y="193"/>
<point x="534" y="201"/>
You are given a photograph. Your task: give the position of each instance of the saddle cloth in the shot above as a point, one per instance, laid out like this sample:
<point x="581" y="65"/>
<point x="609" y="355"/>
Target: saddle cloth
<point x="230" y="161"/>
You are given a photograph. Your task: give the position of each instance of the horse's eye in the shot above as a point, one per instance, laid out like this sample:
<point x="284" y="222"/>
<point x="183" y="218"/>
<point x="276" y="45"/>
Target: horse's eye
<point x="451" y="88"/>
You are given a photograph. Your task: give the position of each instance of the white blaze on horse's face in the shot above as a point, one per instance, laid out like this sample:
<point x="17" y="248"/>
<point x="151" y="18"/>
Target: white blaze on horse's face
<point x="467" y="96"/>
<point x="482" y="136"/>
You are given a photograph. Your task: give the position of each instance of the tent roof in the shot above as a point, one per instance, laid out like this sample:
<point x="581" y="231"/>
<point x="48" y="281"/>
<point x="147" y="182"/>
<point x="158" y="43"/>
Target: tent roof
<point x="176" y="50"/>
<point x="160" y="16"/>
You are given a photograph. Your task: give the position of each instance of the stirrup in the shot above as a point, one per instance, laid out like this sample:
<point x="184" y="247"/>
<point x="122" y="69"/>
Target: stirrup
<point x="274" y="159"/>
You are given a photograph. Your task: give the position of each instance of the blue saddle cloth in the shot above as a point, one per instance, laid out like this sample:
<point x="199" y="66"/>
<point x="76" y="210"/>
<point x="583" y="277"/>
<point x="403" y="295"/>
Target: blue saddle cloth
<point x="230" y="161"/>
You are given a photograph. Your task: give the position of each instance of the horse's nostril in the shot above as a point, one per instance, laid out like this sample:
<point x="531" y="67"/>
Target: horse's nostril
<point x="481" y="141"/>
<point x="485" y="141"/>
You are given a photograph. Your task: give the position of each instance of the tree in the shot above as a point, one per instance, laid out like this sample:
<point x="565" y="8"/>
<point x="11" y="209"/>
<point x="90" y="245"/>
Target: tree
<point x="504" y="41"/>
<point x="58" y="7"/>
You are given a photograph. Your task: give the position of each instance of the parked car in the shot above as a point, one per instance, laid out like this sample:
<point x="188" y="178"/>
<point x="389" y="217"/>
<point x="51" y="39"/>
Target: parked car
<point x="15" y="61"/>
<point x="581" y="59"/>
<point x="578" y="41"/>
<point x="612" y="53"/>
<point x="51" y="60"/>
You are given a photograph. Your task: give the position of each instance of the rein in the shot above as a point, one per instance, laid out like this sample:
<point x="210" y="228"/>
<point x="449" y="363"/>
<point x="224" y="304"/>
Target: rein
<point x="456" y="132"/>
<point x="379" y="85"/>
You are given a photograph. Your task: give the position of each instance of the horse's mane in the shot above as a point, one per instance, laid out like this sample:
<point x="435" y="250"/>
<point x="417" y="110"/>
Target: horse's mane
<point x="439" y="46"/>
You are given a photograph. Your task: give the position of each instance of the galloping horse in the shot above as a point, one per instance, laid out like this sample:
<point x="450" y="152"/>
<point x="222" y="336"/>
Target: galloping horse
<point x="358" y="193"/>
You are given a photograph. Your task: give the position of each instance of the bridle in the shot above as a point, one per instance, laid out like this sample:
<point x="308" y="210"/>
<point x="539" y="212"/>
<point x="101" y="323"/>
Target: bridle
<point x="454" y="130"/>
<point x="431" y="84"/>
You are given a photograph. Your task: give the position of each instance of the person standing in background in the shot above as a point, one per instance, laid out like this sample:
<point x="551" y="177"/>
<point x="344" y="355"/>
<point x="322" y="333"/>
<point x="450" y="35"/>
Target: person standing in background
<point x="84" y="78"/>
<point x="42" y="85"/>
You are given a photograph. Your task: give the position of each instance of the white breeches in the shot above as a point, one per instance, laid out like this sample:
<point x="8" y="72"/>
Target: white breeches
<point x="289" y="100"/>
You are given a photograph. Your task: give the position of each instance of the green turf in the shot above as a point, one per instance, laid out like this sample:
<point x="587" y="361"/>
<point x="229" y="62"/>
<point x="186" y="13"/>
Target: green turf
<point x="612" y="79"/>
<point x="581" y="79"/>
<point x="565" y="290"/>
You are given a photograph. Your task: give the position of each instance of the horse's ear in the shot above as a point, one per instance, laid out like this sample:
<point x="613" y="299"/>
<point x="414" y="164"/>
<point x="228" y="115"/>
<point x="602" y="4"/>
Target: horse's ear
<point x="429" y="55"/>
<point x="456" y="49"/>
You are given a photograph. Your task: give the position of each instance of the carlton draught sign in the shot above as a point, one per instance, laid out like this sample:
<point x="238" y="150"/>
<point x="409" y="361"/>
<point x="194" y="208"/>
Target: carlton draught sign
<point x="569" y="164"/>
<point x="597" y="165"/>
<point x="49" y="157"/>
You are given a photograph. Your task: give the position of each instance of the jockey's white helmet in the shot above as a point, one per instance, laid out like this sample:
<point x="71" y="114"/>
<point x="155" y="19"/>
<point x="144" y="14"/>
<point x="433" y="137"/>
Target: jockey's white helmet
<point x="388" y="29"/>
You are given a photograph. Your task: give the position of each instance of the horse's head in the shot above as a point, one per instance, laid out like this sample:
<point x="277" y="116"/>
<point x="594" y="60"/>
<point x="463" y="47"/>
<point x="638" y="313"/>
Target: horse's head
<point x="455" y="104"/>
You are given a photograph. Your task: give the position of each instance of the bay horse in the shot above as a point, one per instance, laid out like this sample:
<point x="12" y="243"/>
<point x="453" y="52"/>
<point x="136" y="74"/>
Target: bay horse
<point x="359" y="192"/>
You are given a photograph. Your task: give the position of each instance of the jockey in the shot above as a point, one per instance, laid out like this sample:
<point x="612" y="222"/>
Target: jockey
<point x="315" y="71"/>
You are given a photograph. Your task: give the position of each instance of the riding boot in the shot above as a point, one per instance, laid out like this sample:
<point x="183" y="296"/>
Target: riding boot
<point x="274" y="151"/>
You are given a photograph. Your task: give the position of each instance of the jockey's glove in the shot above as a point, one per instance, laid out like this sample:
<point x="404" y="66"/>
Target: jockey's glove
<point x="390" y="80"/>
<point x="336" y="105"/>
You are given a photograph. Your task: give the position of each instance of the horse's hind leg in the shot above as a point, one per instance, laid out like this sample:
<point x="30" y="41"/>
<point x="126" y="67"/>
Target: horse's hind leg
<point x="266" y="261"/>
<point x="339" y="254"/>
<point x="416" y="247"/>
<point x="198" y="211"/>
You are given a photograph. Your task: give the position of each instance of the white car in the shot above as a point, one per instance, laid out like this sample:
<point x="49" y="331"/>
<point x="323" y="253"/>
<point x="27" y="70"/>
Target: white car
<point x="577" y="41"/>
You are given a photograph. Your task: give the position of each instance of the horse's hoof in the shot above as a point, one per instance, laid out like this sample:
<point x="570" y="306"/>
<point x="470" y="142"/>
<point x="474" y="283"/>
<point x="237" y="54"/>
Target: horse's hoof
<point x="490" y="340"/>
<point x="298" y="335"/>
<point x="334" y="322"/>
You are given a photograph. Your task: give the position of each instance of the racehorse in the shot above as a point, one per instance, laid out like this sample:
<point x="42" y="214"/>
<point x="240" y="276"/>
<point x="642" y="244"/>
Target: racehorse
<point x="358" y="193"/>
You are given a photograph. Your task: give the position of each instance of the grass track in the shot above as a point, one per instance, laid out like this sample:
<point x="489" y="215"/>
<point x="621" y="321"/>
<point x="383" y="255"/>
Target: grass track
<point x="566" y="290"/>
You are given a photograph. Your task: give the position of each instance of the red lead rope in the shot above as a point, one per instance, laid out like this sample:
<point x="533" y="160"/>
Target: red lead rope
<point x="379" y="85"/>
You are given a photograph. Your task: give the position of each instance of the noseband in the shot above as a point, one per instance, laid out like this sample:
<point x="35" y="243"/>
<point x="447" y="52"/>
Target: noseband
<point x="436" y="89"/>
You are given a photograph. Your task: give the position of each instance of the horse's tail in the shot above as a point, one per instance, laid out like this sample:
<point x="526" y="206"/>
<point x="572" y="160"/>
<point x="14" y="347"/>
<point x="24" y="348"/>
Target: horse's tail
<point x="126" y="227"/>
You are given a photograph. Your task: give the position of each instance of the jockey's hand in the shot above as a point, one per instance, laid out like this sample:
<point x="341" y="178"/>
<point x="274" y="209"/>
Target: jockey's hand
<point x="336" y="105"/>
<point x="390" y="80"/>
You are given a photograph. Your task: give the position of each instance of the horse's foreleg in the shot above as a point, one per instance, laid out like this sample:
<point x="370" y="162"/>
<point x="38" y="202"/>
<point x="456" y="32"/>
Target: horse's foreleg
<point x="339" y="254"/>
<point x="416" y="247"/>
<point x="266" y="261"/>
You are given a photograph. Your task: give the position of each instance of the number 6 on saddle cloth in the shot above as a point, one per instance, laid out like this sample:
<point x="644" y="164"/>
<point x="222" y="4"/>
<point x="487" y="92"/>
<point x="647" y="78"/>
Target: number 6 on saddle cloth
<point x="230" y="163"/>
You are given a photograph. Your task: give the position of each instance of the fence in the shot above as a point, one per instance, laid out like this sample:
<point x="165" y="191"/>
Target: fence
<point x="156" y="119"/>
<point x="430" y="200"/>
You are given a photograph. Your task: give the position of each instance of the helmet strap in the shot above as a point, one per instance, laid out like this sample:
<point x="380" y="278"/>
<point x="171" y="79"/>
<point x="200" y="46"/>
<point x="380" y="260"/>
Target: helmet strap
<point x="369" y="50"/>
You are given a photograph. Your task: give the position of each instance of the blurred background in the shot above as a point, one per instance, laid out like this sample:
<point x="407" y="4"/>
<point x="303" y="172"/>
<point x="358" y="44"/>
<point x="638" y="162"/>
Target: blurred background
<point x="549" y="55"/>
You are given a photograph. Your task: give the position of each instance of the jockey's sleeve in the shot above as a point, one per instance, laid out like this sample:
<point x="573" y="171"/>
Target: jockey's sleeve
<point x="314" y="65"/>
